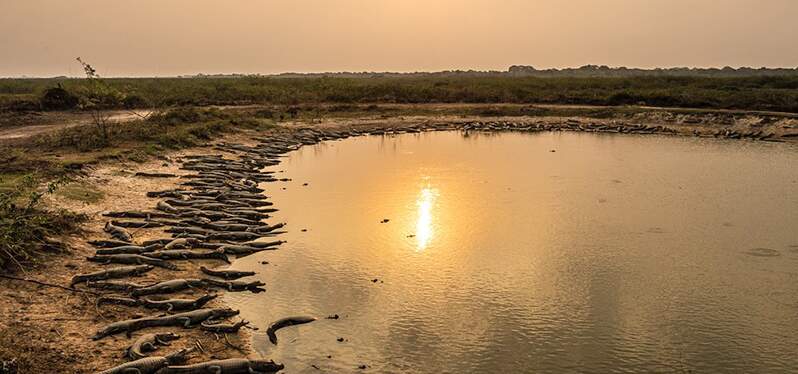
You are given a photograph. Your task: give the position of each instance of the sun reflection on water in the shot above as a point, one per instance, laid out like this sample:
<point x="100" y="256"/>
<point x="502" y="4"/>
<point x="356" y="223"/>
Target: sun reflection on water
<point x="424" y="228"/>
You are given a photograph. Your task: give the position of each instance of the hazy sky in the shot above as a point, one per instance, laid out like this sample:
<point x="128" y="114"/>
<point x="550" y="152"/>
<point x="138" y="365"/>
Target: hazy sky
<point x="171" y="37"/>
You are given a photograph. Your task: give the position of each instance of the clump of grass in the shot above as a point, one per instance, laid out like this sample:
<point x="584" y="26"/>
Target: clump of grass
<point x="26" y="227"/>
<point x="80" y="192"/>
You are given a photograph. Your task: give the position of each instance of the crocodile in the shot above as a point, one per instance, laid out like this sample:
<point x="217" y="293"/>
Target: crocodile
<point x="165" y="207"/>
<point x="126" y="301"/>
<point x="162" y="242"/>
<point x="114" y="285"/>
<point x="185" y="320"/>
<point x="150" y="365"/>
<point x="223" y="328"/>
<point x="132" y="259"/>
<point x="168" y="193"/>
<point x="228" y="366"/>
<point x="228" y="227"/>
<point x="138" y="214"/>
<point x="113" y="273"/>
<point x="242" y="250"/>
<point x="176" y="305"/>
<point x="254" y="286"/>
<point x="181" y="243"/>
<point x="137" y="224"/>
<point x="128" y="249"/>
<point x="227" y="274"/>
<point x="266" y="229"/>
<point x="118" y="232"/>
<point x="108" y="243"/>
<point x="149" y="343"/>
<point x="192" y="236"/>
<point x="285" y="322"/>
<point x="258" y="244"/>
<point x="170" y="286"/>
<point x="234" y="235"/>
<point x="187" y="230"/>
<point x="187" y="254"/>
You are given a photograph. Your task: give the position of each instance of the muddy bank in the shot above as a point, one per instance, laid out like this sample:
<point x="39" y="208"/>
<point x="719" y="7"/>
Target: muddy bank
<point x="15" y="127"/>
<point x="49" y="328"/>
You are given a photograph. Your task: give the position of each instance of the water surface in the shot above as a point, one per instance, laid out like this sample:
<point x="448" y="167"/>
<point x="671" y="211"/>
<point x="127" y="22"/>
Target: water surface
<point x="549" y="252"/>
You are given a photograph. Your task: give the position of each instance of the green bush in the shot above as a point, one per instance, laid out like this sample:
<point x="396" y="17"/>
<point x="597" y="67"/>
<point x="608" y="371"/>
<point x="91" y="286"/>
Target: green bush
<point x="25" y="226"/>
<point x="134" y="102"/>
<point x="58" y="98"/>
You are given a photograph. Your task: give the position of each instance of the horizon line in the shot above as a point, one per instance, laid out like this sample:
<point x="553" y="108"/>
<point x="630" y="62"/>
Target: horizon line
<point x="531" y="68"/>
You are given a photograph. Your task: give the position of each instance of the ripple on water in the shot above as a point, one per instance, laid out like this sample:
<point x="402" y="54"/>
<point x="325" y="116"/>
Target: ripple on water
<point x="763" y="252"/>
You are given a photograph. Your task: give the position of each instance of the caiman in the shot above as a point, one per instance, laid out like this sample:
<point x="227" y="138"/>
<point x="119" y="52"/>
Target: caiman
<point x="229" y="366"/>
<point x="227" y="274"/>
<point x="127" y="249"/>
<point x="132" y="259"/>
<point x="254" y="286"/>
<point x="185" y="320"/>
<point x="119" y="286"/>
<point x="285" y="322"/>
<point x="118" y="232"/>
<point x="150" y="365"/>
<point x="176" y="305"/>
<point x="223" y="328"/>
<point x="118" y="272"/>
<point x="149" y="343"/>
<point x="188" y="254"/>
<point x="170" y="286"/>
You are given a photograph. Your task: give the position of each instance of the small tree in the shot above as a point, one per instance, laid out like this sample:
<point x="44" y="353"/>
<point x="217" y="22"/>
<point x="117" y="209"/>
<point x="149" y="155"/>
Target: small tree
<point x="99" y="96"/>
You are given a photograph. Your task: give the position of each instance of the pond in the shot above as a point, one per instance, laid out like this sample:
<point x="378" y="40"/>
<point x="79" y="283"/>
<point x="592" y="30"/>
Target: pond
<point x="451" y="252"/>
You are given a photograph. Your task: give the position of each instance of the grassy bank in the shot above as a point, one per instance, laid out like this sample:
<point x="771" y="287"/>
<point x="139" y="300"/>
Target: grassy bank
<point x="744" y="93"/>
<point x="52" y="163"/>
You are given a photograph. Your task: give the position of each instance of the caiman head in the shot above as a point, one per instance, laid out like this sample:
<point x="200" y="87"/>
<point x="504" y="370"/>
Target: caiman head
<point x="224" y="313"/>
<point x="264" y="366"/>
<point x="204" y="299"/>
<point x="166" y="337"/>
<point x="219" y="253"/>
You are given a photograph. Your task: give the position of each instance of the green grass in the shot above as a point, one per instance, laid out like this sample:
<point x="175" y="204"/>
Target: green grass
<point x="777" y="93"/>
<point x="82" y="192"/>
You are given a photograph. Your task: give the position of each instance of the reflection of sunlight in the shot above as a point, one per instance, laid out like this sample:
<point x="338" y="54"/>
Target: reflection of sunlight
<point x="424" y="230"/>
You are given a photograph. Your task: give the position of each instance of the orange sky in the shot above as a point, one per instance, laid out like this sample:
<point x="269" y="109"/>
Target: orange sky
<point x="171" y="37"/>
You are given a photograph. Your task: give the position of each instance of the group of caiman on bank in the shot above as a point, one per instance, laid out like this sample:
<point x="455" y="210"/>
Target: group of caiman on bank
<point x="218" y="211"/>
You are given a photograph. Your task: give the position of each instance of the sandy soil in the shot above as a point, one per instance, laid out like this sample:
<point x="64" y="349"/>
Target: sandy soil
<point x="47" y="329"/>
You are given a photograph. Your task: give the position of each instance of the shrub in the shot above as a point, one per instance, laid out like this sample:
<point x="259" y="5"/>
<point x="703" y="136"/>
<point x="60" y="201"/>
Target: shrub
<point x="57" y="98"/>
<point x="134" y="102"/>
<point x="25" y="226"/>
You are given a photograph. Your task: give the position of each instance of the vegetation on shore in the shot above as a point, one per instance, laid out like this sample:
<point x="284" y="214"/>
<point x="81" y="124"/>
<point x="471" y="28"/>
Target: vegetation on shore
<point x="772" y="93"/>
<point x="26" y="226"/>
<point x="30" y="168"/>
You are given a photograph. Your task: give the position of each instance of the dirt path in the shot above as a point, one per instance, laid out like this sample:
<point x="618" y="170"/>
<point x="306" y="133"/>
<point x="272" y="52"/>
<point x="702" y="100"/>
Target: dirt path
<point x="17" y="126"/>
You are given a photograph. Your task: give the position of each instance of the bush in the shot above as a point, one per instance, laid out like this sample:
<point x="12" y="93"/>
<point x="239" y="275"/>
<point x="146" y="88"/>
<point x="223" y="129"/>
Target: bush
<point x="25" y="227"/>
<point x="134" y="102"/>
<point x="57" y="98"/>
